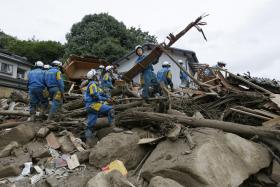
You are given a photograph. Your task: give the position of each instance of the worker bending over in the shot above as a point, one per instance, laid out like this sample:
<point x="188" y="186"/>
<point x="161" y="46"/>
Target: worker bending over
<point x="94" y="102"/>
<point x="36" y="86"/>
<point x="55" y="86"/>
<point x="164" y="75"/>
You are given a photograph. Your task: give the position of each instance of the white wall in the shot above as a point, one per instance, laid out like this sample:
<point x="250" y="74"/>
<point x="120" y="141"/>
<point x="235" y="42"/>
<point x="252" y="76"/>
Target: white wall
<point x="14" y="74"/>
<point x="126" y="65"/>
<point x="26" y="68"/>
<point x="15" y="67"/>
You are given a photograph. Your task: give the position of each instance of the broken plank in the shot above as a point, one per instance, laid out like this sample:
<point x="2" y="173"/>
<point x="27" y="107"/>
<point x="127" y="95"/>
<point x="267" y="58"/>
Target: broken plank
<point x="271" y="123"/>
<point x="259" y="112"/>
<point x="250" y="114"/>
<point x="150" y="140"/>
<point x="159" y="118"/>
<point x="14" y="112"/>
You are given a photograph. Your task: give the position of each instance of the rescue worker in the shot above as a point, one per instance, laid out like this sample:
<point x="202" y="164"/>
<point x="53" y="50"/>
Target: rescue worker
<point x="183" y="76"/>
<point x="220" y="65"/>
<point x="83" y="86"/>
<point x="148" y="77"/>
<point x="208" y="71"/>
<point x="55" y="86"/>
<point x="47" y="67"/>
<point x="100" y="73"/>
<point x="164" y="75"/>
<point x="107" y="84"/>
<point x="94" y="104"/>
<point x="36" y="86"/>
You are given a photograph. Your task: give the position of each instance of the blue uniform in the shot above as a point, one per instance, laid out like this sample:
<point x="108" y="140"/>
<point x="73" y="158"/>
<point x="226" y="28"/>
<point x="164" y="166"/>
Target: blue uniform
<point x="148" y="76"/>
<point x="94" y="98"/>
<point x="107" y="81"/>
<point x="55" y="86"/>
<point x="164" y="75"/>
<point x="183" y="76"/>
<point x="99" y="74"/>
<point x="36" y="86"/>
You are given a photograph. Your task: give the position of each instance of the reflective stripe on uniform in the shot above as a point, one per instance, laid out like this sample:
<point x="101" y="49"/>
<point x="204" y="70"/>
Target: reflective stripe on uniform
<point x="169" y="74"/>
<point x="58" y="96"/>
<point x="106" y="77"/>
<point x="58" y="75"/>
<point x="96" y="106"/>
<point x="92" y="89"/>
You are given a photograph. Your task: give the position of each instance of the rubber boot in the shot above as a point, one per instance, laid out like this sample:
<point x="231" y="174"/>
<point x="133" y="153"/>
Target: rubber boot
<point x="50" y="117"/>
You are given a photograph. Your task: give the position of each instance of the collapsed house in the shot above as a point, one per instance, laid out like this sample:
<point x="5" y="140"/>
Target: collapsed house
<point x="188" y="57"/>
<point x="13" y="73"/>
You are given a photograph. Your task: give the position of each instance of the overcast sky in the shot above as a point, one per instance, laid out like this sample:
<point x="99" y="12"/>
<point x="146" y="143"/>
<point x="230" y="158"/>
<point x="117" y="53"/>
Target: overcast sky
<point x="243" y="33"/>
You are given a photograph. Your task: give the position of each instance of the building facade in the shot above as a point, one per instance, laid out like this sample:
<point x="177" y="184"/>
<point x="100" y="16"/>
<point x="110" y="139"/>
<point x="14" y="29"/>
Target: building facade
<point x="188" y="57"/>
<point x="13" y="73"/>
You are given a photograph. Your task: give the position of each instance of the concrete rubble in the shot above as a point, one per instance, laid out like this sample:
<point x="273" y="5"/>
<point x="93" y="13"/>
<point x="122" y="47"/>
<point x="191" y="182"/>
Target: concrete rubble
<point x="157" y="148"/>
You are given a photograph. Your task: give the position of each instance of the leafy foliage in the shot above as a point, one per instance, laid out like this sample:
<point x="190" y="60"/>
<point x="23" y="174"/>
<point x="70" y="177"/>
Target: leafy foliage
<point x="99" y="35"/>
<point x="103" y="36"/>
<point x="33" y="50"/>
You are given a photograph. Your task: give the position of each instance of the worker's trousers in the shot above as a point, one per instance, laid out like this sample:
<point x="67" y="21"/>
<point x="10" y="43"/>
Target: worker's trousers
<point x="56" y="99"/>
<point x="36" y="99"/>
<point x="149" y="80"/>
<point x="92" y="115"/>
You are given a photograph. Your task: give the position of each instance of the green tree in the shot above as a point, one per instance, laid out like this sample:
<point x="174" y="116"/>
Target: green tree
<point x="101" y="35"/>
<point x="33" y="50"/>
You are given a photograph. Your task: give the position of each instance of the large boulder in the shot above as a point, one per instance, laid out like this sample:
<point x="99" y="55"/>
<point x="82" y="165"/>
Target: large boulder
<point x="21" y="134"/>
<point x="117" y="146"/>
<point x="219" y="159"/>
<point x="112" y="179"/>
<point x="163" y="182"/>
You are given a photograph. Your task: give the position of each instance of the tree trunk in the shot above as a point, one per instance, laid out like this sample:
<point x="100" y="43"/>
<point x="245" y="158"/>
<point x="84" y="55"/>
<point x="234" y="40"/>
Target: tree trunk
<point x="160" y="118"/>
<point x="19" y="96"/>
<point x="128" y="105"/>
<point x="76" y="104"/>
<point x="14" y="112"/>
<point x="75" y="113"/>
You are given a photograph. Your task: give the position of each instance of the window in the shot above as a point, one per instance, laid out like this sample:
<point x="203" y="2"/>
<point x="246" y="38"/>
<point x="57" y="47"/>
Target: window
<point x="6" y="68"/>
<point x="21" y="73"/>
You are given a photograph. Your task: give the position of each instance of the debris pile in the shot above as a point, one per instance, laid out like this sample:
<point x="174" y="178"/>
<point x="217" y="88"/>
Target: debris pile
<point x="224" y="134"/>
<point x="224" y="131"/>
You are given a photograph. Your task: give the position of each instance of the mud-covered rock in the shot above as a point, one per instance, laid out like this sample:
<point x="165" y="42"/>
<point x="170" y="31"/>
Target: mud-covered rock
<point x="111" y="179"/>
<point x="117" y="146"/>
<point x="9" y="171"/>
<point x="37" y="150"/>
<point x="21" y="134"/>
<point x="66" y="144"/>
<point x="163" y="182"/>
<point x="219" y="159"/>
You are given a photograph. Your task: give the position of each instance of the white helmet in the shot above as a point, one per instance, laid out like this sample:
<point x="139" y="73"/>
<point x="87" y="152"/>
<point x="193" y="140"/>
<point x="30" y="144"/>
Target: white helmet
<point x="39" y="64"/>
<point x="101" y="67"/>
<point x="47" y="66"/>
<point x="91" y="74"/>
<point x="57" y="63"/>
<point x="165" y="63"/>
<point x="108" y="68"/>
<point x="138" y="46"/>
<point x="180" y="61"/>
